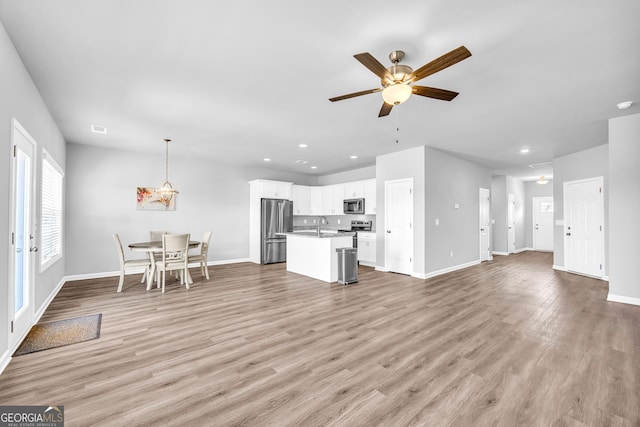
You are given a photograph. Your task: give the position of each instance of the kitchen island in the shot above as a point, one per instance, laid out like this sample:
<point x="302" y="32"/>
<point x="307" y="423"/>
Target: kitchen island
<point x="314" y="254"/>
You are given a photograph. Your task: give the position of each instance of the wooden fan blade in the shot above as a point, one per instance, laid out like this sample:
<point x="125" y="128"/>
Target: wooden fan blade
<point x="385" y="110"/>
<point x="439" y="64"/>
<point x="373" y="64"/>
<point x="353" y="95"/>
<point x="434" y="92"/>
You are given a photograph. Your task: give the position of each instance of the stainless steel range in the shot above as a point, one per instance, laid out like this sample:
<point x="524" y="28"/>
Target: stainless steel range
<point x="356" y="226"/>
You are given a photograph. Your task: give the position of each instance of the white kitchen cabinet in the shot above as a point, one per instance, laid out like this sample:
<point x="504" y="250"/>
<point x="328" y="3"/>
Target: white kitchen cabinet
<point x="332" y="198"/>
<point x="370" y="196"/>
<point x="315" y="201"/>
<point x="300" y="194"/>
<point x="267" y="189"/>
<point x="367" y="248"/>
<point x="354" y="190"/>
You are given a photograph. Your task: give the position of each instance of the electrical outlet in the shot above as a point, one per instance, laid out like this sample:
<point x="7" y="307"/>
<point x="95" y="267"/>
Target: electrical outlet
<point x="338" y="221"/>
<point x="451" y="254"/>
<point x="305" y="221"/>
<point x="314" y="221"/>
<point x="437" y="221"/>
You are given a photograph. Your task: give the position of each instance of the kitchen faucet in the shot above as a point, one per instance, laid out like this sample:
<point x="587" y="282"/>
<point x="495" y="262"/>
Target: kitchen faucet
<point x="320" y="222"/>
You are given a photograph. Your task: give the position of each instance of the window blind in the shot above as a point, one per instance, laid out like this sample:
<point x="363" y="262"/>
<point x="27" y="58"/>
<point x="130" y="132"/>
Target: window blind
<point x="51" y="220"/>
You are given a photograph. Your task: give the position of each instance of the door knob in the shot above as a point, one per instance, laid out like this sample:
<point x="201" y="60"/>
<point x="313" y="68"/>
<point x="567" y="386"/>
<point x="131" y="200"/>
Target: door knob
<point x="388" y="231"/>
<point x="33" y="249"/>
<point x="482" y="229"/>
<point x="568" y="234"/>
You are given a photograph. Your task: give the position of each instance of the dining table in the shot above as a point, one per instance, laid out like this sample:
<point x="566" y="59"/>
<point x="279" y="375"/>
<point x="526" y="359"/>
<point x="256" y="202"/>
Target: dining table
<point x="153" y="247"/>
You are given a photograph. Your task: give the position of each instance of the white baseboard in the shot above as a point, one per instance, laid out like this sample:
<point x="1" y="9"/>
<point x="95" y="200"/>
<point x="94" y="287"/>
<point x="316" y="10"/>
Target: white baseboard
<point x="4" y="360"/>
<point x="229" y="261"/>
<point x="419" y="275"/>
<point x="561" y="268"/>
<point x="517" y="251"/>
<point x="141" y="270"/>
<point x="383" y="269"/>
<point x="623" y="299"/>
<point x="499" y="253"/>
<point x="50" y="298"/>
<point x="450" y="269"/>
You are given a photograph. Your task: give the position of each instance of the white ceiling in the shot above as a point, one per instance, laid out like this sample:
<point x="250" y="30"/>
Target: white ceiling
<point x="244" y="80"/>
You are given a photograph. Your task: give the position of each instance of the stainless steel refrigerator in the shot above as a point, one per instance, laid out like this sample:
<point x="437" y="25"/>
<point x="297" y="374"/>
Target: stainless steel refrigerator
<point x="276" y="217"/>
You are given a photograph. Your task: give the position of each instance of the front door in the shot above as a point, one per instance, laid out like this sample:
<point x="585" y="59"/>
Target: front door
<point x="584" y="226"/>
<point x="23" y="247"/>
<point x="485" y="224"/>
<point x="399" y="226"/>
<point x="543" y="223"/>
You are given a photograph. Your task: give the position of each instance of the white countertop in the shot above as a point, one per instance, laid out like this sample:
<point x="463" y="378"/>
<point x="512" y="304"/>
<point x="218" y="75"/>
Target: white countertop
<point x="324" y="234"/>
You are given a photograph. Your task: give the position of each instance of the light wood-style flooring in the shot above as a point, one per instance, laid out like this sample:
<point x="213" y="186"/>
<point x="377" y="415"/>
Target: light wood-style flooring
<point x="509" y="342"/>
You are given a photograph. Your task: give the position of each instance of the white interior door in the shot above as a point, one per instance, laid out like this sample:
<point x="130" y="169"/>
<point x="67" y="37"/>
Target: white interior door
<point x="584" y="226"/>
<point x="511" y="223"/>
<point x="399" y="226"/>
<point x="543" y="223"/>
<point x="22" y="257"/>
<point x="485" y="224"/>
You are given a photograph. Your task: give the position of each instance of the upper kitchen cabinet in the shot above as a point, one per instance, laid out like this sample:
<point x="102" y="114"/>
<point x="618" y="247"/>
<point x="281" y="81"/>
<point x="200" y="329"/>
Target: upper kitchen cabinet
<point x="267" y="189"/>
<point x="300" y="194"/>
<point x="332" y="198"/>
<point x="315" y="201"/>
<point x="370" y="196"/>
<point x="354" y="190"/>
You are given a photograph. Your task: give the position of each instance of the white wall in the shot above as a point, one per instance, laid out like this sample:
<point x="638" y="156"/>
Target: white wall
<point x="624" y="200"/>
<point x="585" y="164"/>
<point x="499" y="214"/>
<point x="20" y="99"/>
<point x="400" y="165"/>
<point x="352" y="175"/>
<point x="516" y="187"/>
<point x="101" y="200"/>
<point x="450" y="180"/>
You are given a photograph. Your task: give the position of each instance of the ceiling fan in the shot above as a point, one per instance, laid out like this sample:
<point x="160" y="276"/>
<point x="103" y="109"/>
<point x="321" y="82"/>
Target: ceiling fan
<point x="397" y="80"/>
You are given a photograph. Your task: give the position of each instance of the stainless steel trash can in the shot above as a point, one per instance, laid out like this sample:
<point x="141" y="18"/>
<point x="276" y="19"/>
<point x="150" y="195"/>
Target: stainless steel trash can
<point x="347" y="265"/>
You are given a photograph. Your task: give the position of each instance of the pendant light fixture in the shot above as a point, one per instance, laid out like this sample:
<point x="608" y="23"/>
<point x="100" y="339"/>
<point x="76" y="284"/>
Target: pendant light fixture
<point x="166" y="190"/>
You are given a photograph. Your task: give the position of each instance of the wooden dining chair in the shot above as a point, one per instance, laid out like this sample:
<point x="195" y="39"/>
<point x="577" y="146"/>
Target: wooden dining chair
<point x="175" y="257"/>
<point x="156" y="236"/>
<point x="201" y="258"/>
<point x="126" y="263"/>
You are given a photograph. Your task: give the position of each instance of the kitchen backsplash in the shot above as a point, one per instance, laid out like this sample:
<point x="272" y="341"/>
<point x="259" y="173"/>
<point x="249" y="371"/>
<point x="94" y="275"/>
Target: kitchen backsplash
<point x="336" y="222"/>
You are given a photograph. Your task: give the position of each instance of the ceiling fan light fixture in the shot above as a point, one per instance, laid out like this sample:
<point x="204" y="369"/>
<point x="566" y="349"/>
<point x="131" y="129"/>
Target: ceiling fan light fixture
<point x="542" y="180"/>
<point x="399" y="73"/>
<point x="396" y="94"/>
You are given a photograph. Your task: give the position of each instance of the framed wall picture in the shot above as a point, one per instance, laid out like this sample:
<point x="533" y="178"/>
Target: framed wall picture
<point x="148" y="199"/>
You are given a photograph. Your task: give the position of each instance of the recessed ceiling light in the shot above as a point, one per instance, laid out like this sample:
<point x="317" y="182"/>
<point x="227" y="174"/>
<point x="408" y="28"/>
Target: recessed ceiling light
<point x="302" y="145"/>
<point x="624" y="105"/>
<point x="524" y="150"/>
<point x="301" y="162"/>
<point x="266" y="159"/>
<point x="353" y="157"/>
<point x="99" y="129"/>
<point x="314" y="167"/>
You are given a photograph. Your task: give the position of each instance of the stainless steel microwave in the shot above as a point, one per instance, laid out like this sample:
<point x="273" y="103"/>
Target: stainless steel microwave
<point x="353" y="206"/>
